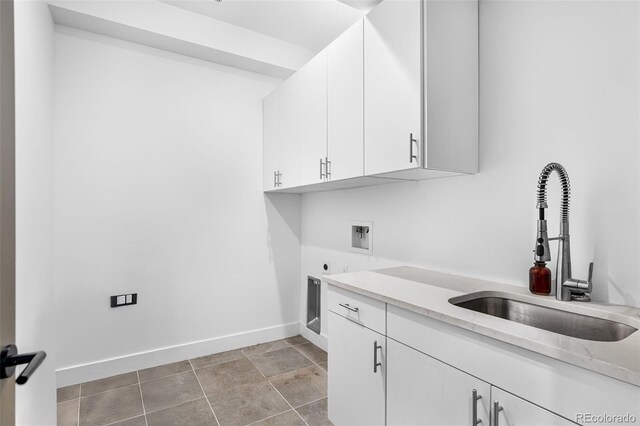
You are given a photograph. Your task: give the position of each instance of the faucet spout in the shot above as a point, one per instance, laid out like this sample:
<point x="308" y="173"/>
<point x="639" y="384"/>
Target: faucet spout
<point x="567" y="288"/>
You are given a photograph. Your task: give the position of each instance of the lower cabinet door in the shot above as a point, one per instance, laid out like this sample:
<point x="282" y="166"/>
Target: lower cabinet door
<point x="515" y="411"/>
<point x="356" y="391"/>
<point x="424" y="391"/>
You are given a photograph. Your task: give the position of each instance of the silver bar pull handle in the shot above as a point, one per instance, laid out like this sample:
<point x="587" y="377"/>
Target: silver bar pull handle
<point x="496" y="413"/>
<point x="411" y="142"/>
<point x="279" y="176"/>
<point x="322" y="175"/>
<point x="275" y="182"/>
<point x="474" y="408"/>
<point x="376" y="364"/>
<point x="327" y="167"/>
<point x="346" y="306"/>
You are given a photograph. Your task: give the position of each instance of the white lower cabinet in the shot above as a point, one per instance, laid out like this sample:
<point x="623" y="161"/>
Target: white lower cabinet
<point x="429" y="371"/>
<point x="356" y="381"/>
<point x="424" y="391"/>
<point x="514" y="411"/>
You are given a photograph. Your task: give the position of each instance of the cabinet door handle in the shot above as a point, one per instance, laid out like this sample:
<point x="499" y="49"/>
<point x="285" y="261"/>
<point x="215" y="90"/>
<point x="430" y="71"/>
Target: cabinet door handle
<point x="496" y="411"/>
<point x="327" y="167"/>
<point x="279" y="176"/>
<point x="346" y="306"/>
<point x="376" y="364"/>
<point x="411" y="142"/>
<point x="321" y="174"/>
<point x="474" y="408"/>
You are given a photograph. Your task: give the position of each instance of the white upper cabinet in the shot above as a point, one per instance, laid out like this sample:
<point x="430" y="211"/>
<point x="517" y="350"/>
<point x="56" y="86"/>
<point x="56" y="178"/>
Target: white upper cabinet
<point x="450" y="73"/>
<point x="421" y="88"/>
<point x="345" y="104"/>
<point x="313" y="119"/>
<point x="281" y="144"/>
<point x="392" y="88"/>
<point x="394" y="97"/>
<point x="289" y="150"/>
<point x="271" y="140"/>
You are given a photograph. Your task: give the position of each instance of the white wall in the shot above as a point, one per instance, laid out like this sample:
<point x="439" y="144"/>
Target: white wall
<point x="158" y="190"/>
<point x="559" y="81"/>
<point x="35" y="328"/>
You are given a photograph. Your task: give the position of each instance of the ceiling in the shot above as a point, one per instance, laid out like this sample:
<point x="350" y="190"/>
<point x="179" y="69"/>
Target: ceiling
<point x="312" y="24"/>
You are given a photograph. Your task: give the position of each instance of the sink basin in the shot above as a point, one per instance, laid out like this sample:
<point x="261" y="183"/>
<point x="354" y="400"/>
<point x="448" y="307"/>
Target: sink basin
<point x="545" y="318"/>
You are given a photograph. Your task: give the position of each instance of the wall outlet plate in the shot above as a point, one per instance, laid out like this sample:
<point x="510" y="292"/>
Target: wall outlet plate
<point x="361" y="236"/>
<point x="124" y="300"/>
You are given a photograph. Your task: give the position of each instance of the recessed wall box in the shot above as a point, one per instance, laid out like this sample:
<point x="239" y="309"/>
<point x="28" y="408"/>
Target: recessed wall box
<point x="313" y="304"/>
<point x="362" y="237"/>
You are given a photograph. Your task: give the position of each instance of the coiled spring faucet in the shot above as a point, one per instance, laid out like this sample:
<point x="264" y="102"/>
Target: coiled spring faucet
<point x="567" y="288"/>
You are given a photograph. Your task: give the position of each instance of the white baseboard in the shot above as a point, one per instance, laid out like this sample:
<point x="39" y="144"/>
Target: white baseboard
<point x="124" y="364"/>
<point x="320" y="340"/>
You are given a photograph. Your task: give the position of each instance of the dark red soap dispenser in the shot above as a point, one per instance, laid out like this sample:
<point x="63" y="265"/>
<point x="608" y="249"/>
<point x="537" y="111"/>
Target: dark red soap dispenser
<point x="540" y="279"/>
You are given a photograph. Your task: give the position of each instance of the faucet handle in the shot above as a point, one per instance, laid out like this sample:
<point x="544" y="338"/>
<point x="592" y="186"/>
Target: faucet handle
<point x="580" y="288"/>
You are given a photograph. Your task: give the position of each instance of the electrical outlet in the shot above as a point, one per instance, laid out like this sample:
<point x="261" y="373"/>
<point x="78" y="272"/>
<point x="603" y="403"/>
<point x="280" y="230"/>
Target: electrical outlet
<point x="326" y="268"/>
<point x="124" y="300"/>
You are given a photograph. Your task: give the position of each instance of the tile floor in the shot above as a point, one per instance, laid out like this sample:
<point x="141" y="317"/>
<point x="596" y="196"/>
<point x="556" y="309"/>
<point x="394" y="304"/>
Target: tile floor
<point x="276" y="383"/>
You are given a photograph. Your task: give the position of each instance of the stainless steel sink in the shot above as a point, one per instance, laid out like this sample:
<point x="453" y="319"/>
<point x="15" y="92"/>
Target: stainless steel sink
<point x="554" y="320"/>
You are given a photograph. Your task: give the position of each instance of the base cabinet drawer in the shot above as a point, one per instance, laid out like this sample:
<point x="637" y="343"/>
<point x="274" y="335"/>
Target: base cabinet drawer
<point x="424" y="391"/>
<point x="514" y="411"/>
<point x="357" y="357"/>
<point x="364" y="310"/>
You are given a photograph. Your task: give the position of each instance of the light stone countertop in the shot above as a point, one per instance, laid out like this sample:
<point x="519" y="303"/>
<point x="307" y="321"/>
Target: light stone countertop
<point x="428" y="293"/>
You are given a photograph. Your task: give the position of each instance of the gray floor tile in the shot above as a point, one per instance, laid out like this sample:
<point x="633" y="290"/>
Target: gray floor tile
<point x="281" y="361"/>
<point x="228" y="375"/>
<point x="68" y="413"/>
<point x="296" y="340"/>
<point x="68" y="392"/>
<point x="163" y="370"/>
<point x="313" y="352"/>
<point x="265" y="347"/>
<point x="289" y="418"/>
<point x="315" y="414"/>
<point x="193" y="413"/>
<point x="302" y="386"/>
<point x="169" y="391"/>
<point x="111" y="406"/>
<point x="172" y="394"/>
<point x="108" y="383"/>
<point x="219" y="358"/>
<point x="136" y="421"/>
<point x="247" y="404"/>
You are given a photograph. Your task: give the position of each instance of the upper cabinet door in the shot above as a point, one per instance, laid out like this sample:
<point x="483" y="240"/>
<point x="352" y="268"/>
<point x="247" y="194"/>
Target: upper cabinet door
<point x="271" y="139"/>
<point x="392" y="86"/>
<point x="345" y="104"/>
<point x="312" y="121"/>
<point x="288" y="117"/>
